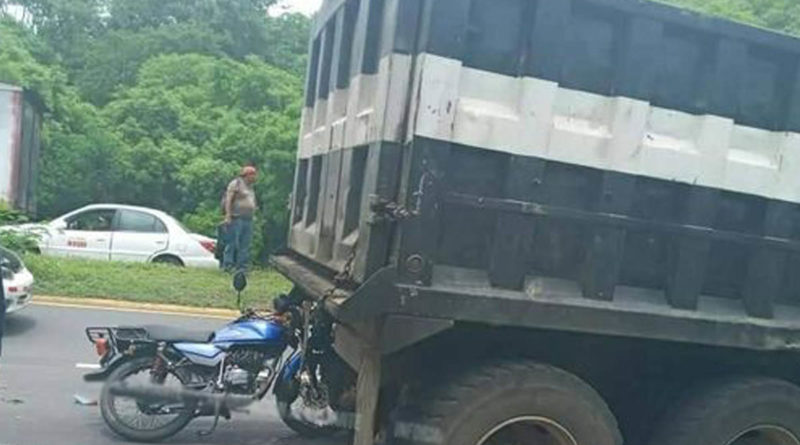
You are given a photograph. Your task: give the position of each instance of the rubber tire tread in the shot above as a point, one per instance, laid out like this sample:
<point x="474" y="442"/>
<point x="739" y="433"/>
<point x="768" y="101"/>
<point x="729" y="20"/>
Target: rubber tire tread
<point x="169" y="260"/>
<point x="462" y="401"/>
<point x="703" y="417"/>
<point x="122" y="430"/>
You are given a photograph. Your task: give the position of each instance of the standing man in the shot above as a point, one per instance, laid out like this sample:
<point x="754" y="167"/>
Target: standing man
<point x="239" y="204"/>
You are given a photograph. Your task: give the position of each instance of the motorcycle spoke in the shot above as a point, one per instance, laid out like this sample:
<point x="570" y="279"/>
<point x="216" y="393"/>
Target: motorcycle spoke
<point x="141" y="415"/>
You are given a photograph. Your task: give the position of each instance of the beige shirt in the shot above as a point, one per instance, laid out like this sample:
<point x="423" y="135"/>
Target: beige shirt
<point x="243" y="198"/>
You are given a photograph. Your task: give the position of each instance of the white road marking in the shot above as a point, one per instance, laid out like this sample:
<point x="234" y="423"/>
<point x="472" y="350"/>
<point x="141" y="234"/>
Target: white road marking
<point x="87" y="366"/>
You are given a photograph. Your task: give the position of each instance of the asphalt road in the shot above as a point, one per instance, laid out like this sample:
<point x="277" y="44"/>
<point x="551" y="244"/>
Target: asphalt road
<point x="39" y="379"/>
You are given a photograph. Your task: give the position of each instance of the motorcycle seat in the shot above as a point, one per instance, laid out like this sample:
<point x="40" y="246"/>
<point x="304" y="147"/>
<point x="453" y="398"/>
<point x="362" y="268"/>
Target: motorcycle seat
<point x="173" y="334"/>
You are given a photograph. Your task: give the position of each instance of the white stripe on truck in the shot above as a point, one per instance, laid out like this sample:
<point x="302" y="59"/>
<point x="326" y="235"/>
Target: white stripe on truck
<point x="371" y="109"/>
<point x="534" y="117"/>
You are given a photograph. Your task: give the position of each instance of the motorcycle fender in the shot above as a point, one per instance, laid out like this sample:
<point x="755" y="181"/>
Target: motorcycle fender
<point x="109" y="367"/>
<point x="287" y="372"/>
<point x="109" y="364"/>
<point x="292" y="366"/>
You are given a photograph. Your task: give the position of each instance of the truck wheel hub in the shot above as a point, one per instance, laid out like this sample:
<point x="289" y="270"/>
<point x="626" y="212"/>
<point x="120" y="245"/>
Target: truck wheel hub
<point x="766" y="435"/>
<point x="528" y="430"/>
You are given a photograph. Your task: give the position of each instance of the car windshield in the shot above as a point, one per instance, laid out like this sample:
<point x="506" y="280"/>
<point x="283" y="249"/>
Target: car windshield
<point x="10" y="260"/>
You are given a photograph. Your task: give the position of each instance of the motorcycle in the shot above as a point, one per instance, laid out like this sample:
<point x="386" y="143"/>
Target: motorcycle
<point x="158" y="378"/>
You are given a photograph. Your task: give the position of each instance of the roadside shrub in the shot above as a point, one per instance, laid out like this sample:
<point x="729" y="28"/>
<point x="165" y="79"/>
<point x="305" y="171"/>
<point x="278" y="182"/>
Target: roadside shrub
<point x="11" y="216"/>
<point x="204" y="221"/>
<point x="19" y="242"/>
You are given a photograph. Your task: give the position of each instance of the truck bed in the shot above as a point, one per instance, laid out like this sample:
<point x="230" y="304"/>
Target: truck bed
<point x="466" y="295"/>
<point x="607" y="166"/>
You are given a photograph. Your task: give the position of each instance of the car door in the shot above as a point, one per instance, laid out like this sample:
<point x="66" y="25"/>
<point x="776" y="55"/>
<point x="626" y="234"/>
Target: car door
<point x="87" y="234"/>
<point x="137" y="236"/>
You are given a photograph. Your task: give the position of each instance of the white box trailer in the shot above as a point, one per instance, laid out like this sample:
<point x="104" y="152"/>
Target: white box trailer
<point x="20" y="143"/>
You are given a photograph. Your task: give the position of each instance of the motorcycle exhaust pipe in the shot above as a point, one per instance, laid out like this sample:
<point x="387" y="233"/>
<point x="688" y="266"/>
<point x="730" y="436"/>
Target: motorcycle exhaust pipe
<point x="154" y="393"/>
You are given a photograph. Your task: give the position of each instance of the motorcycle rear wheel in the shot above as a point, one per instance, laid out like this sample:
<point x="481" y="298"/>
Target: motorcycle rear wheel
<point x="118" y="424"/>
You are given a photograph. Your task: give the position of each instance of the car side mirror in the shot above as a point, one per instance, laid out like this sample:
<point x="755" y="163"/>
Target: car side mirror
<point x="60" y="226"/>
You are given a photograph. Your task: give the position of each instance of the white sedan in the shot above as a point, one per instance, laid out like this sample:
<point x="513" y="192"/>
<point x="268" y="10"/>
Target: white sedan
<point x="17" y="281"/>
<point x="123" y="233"/>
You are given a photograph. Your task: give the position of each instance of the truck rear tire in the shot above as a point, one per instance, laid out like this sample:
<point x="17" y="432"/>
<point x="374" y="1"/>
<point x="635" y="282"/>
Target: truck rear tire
<point x="743" y="411"/>
<point x="496" y="404"/>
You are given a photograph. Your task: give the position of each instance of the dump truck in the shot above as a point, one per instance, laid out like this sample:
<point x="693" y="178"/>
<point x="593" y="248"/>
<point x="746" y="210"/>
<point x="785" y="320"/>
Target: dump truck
<point x="20" y="127"/>
<point x="553" y="221"/>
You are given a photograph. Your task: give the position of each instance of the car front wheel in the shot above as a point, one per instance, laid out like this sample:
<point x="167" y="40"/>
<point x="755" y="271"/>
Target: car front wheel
<point x="168" y="260"/>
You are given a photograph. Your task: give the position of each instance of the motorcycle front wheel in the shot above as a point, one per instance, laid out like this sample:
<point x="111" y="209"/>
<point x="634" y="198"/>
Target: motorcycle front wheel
<point x="144" y="421"/>
<point x="288" y="400"/>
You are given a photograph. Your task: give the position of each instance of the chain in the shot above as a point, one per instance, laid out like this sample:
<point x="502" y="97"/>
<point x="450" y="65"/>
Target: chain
<point x="345" y="276"/>
<point x="384" y="210"/>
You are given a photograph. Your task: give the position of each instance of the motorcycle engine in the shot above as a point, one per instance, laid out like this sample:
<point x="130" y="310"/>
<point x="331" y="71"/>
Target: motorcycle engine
<point x="242" y="370"/>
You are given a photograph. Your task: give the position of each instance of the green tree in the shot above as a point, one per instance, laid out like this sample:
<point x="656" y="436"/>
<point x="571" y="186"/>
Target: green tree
<point x="160" y="106"/>
<point x="113" y="62"/>
<point x="240" y="23"/>
<point x="19" y="64"/>
<point x="191" y="121"/>
<point x="286" y="42"/>
<point x="65" y="25"/>
<point x="779" y="15"/>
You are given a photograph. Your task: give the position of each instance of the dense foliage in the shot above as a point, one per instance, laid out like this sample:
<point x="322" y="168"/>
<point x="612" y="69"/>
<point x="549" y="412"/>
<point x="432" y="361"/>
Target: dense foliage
<point x="11" y="216"/>
<point x="159" y="102"/>
<point x="780" y="15"/>
<point x="18" y="242"/>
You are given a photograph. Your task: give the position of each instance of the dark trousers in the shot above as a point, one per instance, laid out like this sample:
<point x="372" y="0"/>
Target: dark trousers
<point x="238" y="235"/>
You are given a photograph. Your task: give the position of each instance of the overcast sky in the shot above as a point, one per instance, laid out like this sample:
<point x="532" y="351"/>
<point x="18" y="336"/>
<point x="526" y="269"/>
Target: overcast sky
<point x="307" y="7"/>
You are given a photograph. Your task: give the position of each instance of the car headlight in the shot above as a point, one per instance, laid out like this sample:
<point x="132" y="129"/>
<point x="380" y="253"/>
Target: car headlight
<point x="7" y="273"/>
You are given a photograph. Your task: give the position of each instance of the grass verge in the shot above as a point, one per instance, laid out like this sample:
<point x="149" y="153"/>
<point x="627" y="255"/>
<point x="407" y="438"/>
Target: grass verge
<point x="150" y="283"/>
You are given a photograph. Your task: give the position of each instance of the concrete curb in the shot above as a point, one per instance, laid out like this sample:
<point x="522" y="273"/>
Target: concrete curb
<point x="130" y="306"/>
